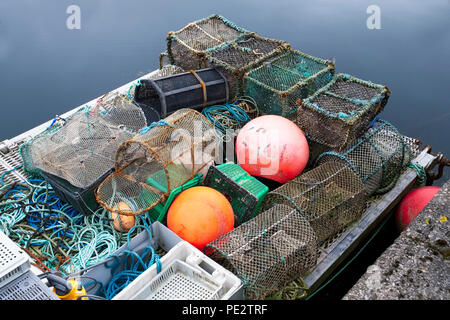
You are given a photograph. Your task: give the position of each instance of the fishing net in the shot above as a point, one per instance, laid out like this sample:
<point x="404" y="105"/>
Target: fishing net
<point x="162" y="157"/>
<point x="244" y="192"/>
<point x="235" y="58"/>
<point x="378" y="158"/>
<point x="339" y="113"/>
<point x="279" y="82"/>
<point x="268" y="251"/>
<point x="186" y="47"/>
<point x="82" y="149"/>
<point x="330" y="197"/>
<point x="164" y="59"/>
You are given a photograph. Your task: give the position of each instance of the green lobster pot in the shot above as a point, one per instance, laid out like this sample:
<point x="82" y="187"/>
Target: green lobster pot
<point x="280" y="82"/>
<point x="244" y="192"/>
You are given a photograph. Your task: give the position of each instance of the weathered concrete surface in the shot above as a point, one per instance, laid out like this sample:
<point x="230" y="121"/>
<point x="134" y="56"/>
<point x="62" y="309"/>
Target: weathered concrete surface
<point x="417" y="265"/>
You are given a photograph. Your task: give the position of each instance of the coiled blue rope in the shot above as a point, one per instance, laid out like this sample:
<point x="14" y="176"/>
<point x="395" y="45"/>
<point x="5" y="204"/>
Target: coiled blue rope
<point x="226" y="117"/>
<point x="132" y="265"/>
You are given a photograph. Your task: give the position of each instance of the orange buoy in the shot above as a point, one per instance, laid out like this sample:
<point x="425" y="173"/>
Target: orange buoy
<point x="200" y="215"/>
<point x="412" y="204"/>
<point x="272" y="147"/>
<point x="127" y="222"/>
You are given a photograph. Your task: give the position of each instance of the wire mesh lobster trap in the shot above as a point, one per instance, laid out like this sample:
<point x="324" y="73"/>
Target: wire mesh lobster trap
<point x="268" y="251"/>
<point x="160" y="158"/>
<point x="378" y="158"/>
<point x="82" y="149"/>
<point x="330" y="197"/>
<point x="279" y="82"/>
<point x="235" y="58"/>
<point x="340" y="112"/>
<point x="186" y="47"/>
<point x="244" y="192"/>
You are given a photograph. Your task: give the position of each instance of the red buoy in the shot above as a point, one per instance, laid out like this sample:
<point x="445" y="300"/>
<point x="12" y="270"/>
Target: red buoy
<point x="412" y="204"/>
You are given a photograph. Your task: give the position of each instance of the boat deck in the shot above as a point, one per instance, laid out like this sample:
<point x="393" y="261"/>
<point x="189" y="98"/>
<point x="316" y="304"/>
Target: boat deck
<point x="332" y="255"/>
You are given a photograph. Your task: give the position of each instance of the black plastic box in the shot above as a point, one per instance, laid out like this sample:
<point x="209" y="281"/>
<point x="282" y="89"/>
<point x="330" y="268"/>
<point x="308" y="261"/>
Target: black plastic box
<point x="82" y="199"/>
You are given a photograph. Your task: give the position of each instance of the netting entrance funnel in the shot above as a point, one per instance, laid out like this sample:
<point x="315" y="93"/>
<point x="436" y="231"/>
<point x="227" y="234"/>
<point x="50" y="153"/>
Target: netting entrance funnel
<point x="330" y="197"/>
<point x="378" y="158"/>
<point x="340" y="112"/>
<point x="235" y="58"/>
<point x="193" y="89"/>
<point x="82" y="150"/>
<point x="159" y="159"/>
<point x="268" y="251"/>
<point x="186" y="47"/>
<point x="278" y="83"/>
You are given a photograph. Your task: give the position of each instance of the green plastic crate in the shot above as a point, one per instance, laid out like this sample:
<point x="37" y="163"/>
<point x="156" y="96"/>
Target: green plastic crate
<point x="158" y="212"/>
<point x="244" y="192"/>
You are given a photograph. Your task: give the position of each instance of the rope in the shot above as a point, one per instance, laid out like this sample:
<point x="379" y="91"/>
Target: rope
<point x="202" y="84"/>
<point x="131" y="264"/>
<point x="226" y="117"/>
<point x="55" y="235"/>
<point x="420" y="171"/>
<point x="154" y="124"/>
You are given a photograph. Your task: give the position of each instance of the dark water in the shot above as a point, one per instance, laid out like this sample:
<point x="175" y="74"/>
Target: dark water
<point x="47" y="69"/>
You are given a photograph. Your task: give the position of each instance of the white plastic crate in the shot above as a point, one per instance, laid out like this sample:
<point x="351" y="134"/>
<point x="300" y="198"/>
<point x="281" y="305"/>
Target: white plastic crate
<point x="13" y="261"/>
<point x="186" y="274"/>
<point x="27" y="287"/>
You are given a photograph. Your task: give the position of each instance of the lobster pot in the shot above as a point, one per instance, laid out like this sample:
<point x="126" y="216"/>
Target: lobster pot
<point x="186" y="47"/>
<point x="166" y="70"/>
<point x="244" y="192"/>
<point x="330" y="197"/>
<point x="151" y="114"/>
<point x="194" y="89"/>
<point x="268" y="251"/>
<point x="159" y="159"/>
<point x="283" y="80"/>
<point x="235" y="58"/>
<point x="82" y="149"/>
<point x="340" y="112"/>
<point x="378" y="158"/>
<point x="164" y="60"/>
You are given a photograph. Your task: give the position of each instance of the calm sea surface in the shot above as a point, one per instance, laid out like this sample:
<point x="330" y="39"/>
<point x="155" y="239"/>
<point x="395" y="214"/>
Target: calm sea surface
<point x="48" y="69"/>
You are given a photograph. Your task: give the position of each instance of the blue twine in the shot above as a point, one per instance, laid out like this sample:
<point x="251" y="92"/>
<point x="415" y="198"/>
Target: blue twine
<point x="229" y="111"/>
<point x="7" y="172"/>
<point x="133" y="264"/>
<point x="154" y="124"/>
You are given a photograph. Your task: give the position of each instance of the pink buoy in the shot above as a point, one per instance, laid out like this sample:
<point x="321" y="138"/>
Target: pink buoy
<point x="412" y="204"/>
<point x="272" y="147"/>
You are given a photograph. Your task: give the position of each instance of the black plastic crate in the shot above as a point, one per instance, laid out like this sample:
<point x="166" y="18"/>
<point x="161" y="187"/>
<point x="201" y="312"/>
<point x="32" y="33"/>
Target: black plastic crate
<point x="193" y="89"/>
<point x="82" y="199"/>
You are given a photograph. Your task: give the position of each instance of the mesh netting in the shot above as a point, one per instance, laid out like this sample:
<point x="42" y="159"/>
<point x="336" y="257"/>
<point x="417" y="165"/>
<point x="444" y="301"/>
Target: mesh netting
<point x="186" y="47"/>
<point x="378" y="158"/>
<point x="340" y="112"/>
<point x="82" y="150"/>
<point x="268" y="251"/>
<point x="164" y="59"/>
<point x="279" y="82"/>
<point x="235" y="58"/>
<point x="330" y="196"/>
<point x="160" y="158"/>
